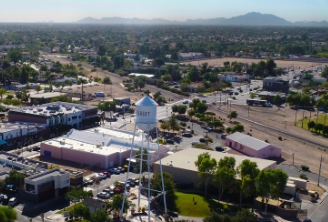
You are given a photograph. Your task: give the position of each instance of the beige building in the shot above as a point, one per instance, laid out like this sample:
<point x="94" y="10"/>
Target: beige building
<point x="181" y="165"/>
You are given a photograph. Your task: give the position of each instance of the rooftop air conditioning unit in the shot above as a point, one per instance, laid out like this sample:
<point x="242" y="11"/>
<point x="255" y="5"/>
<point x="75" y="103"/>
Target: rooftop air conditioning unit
<point x="98" y="145"/>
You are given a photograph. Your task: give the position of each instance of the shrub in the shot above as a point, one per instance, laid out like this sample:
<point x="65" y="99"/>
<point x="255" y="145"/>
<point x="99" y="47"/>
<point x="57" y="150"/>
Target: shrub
<point x="305" y="168"/>
<point x="267" y="141"/>
<point x="209" y="139"/>
<point x="303" y="176"/>
<point x="280" y="138"/>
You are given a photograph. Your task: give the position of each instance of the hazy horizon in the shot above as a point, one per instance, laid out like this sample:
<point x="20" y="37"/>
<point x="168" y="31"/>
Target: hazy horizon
<point x="74" y="10"/>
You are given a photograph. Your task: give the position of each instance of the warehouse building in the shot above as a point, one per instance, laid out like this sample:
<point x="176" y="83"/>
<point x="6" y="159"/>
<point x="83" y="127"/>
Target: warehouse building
<point x="102" y="147"/>
<point x="251" y="146"/>
<point x="55" y="113"/>
<point x="181" y="165"/>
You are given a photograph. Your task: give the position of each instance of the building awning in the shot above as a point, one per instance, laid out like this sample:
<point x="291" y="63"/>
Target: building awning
<point x="3" y="142"/>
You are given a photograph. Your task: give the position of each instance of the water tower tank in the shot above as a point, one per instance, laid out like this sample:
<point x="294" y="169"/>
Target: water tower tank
<point x="146" y="115"/>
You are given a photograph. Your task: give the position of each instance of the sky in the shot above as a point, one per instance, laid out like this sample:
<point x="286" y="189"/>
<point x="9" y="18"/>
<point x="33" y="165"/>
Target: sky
<point x="180" y="10"/>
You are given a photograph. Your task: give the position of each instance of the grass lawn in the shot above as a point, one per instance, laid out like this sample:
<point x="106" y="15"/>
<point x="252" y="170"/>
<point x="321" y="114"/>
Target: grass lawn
<point x="321" y="119"/>
<point x="70" y="208"/>
<point x="202" y="208"/>
<point x="10" y="93"/>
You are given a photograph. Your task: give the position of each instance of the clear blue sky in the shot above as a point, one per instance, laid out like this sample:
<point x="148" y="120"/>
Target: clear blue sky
<point x="73" y="10"/>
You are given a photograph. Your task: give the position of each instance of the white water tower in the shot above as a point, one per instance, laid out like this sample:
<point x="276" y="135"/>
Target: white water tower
<point x="146" y="115"/>
<point x="146" y="120"/>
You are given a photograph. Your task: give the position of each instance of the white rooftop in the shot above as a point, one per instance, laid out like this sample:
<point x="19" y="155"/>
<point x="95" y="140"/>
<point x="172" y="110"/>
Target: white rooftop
<point x="248" y="141"/>
<point x="6" y="127"/>
<point x="46" y="95"/>
<point x="141" y="74"/>
<point x="101" y="140"/>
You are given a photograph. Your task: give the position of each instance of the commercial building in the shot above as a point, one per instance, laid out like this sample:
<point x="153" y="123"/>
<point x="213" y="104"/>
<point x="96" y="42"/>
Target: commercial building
<point x="41" y="98"/>
<point x="269" y="96"/>
<point x="276" y="84"/>
<point x="234" y="77"/>
<point x="182" y="164"/>
<point x="102" y="147"/>
<point x="251" y="146"/>
<point x="190" y="56"/>
<point x="76" y="178"/>
<point x="57" y="113"/>
<point x="14" y="130"/>
<point x="47" y="185"/>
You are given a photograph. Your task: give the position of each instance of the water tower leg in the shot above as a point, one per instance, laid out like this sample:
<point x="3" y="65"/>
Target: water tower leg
<point x="148" y="161"/>
<point x="160" y="166"/>
<point x="127" y="173"/>
<point x="140" y="170"/>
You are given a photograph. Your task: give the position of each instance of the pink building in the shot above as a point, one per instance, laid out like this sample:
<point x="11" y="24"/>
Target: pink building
<point x="251" y="146"/>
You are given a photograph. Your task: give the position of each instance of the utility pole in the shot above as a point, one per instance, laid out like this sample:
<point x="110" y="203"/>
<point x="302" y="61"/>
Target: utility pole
<point x="220" y="101"/>
<point x="293" y="155"/>
<point x="248" y="111"/>
<point x="295" y="116"/>
<point x="325" y="119"/>
<point x="317" y="116"/>
<point x="321" y="159"/>
<point x="303" y="118"/>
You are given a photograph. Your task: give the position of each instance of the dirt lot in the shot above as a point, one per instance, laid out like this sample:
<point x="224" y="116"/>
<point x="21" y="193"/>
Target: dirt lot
<point x="280" y="63"/>
<point x="304" y="153"/>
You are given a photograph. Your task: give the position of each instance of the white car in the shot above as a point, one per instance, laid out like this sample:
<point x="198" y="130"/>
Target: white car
<point x="98" y="176"/>
<point x="103" y="195"/>
<point x="103" y="176"/>
<point x="13" y="201"/>
<point x="194" y="143"/>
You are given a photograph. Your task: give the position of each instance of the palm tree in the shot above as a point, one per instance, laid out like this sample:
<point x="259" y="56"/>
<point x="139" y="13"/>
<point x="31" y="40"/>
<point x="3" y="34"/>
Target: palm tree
<point x="81" y="81"/>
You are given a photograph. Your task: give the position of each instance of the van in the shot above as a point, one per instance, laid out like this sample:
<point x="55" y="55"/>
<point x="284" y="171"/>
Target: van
<point x="13" y="201"/>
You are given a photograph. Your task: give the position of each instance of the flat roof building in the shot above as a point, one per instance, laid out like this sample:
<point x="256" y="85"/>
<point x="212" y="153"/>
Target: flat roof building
<point x="251" y="146"/>
<point x="46" y="185"/>
<point x="41" y="98"/>
<point x="102" y="146"/>
<point x="182" y="164"/>
<point x="55" y="113"/>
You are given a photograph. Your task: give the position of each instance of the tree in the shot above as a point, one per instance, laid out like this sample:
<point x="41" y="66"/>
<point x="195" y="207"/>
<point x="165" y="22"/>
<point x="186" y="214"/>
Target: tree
<point x="271" y="65"/>
<point x="159" y="61"/>
<point x="7" y="214"/>
<point x="325" y="130"/>
<point x="182" y="109"/>
<point x="245" y="215"/>
<point x="237" y="128"/>
<point x="206" y="168"/>
<point x="100" y="215"/>
<point x="324" y="72"/>
<point x="76" y="195"/>
<point x="191" y="113"/>
<point x="252" y="95"/>
<point x="147" y="92"/>
<point x="167" y="77"/>
<point x="217" y="123"/>
<point x="271" y="184"/>
<point x="51" y="45"/>
<point x="277" y="99"/>
<point x="15" y="178"/>
<point x="82" y="211"/>
<point x="107" y="80"/>
<point x="169" y="185"/>
<point x="173" y="123"/>
<point x="311" y="125"/>
<point x="2" y="184"/>
<point x="116" y="205"/>
<point x="156" y="95"/>
<point x="2" y="92"/>
<point x="139" y="82"/>
<point x="201" y="107"/>
<point x="224" y="176"/>
<point x="318" y="127"/>
<point x="15" y="55"/>
<point x="229" y="130"/>
<point x="101" y="50"/>
<point x="233" y="114"/>
<point x="248" y="172"/>
<point x="38" y="88"/>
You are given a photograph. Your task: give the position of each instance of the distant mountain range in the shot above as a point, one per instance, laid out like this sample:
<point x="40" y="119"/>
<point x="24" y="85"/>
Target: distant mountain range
<point x="249" y="19"/>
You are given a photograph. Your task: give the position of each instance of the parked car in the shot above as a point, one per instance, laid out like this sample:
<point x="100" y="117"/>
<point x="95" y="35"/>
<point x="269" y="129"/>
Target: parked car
<point x="106" y="190"/>
<point x="209" y="128"/>
<point x="121" y="169"/>
<point x="114" y="171"/>
<point x="88" y="180"/>
<point x="36" y="148"/>
<point x="185" y="102"/>
<point x="99" y="176"/>
<point x="103" y="176"/>
<point x="107" y="174"/>
<point x="187" y="134"/>
<point x="219" y="149"/>
<point x="204" y="101"/>
<point x="170" y="141"/>
<point x="13" y="201"/>
<point x="236" y="93"/>
<point x="203" y="140"/>
<point x="103" y="195"/>
<point x="194" y="143"/>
